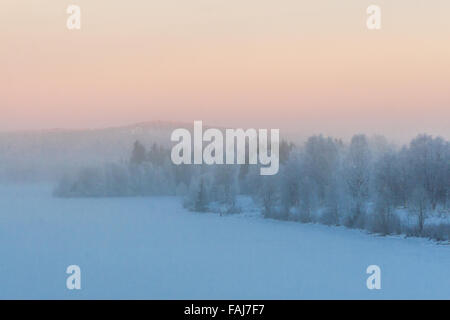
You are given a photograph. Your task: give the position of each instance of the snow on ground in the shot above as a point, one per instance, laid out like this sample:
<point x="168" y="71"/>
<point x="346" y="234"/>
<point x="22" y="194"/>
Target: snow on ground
<point x="151" y="248"/>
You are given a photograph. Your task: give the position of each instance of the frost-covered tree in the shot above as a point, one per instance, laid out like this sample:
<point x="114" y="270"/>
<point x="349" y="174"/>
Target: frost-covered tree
<point x="201" y="198"/>
<point x="285" y="150"/>
<point x="290" y="183"/>
<point x="138" y="155"/>
<point x="268" y="195"/>
<point x="420" y="204"/>
<point x="386" y="186"/>
<point x="430" y="164"/>
<point x="225" y="187"/>
<point x="357" y="177"/>
<point x="198" y="197"/>
<point x="320" y="163"/>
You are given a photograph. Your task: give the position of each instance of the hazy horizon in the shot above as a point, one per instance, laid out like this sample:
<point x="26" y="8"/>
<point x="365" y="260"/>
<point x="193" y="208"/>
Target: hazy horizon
<point x="306" y="67"/>
<point x="290" y="136"/>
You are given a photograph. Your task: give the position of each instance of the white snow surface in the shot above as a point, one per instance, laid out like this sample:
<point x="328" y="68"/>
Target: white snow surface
<point x="152" y="248"/>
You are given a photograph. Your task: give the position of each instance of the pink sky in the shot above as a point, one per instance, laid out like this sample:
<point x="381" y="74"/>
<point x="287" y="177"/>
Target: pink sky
<point x="302" y="66"/>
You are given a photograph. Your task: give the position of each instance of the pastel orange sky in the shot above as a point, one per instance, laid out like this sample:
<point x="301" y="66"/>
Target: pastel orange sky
<point x="303" y="66"/>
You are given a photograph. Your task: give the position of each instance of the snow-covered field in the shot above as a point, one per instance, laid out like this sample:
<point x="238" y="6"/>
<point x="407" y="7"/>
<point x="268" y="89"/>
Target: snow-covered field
<point x="151" y="248"/>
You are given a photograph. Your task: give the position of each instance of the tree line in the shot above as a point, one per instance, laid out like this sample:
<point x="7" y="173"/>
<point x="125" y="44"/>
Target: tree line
<point x="367" y="183"/>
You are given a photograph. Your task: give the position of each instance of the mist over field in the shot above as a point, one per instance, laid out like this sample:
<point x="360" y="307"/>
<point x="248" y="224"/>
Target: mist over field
<point x="112" y="202"/>
<point x="45" y="155"/>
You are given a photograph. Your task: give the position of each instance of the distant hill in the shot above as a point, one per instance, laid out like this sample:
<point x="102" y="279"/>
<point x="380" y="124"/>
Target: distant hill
<point x="46" y="154"/>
